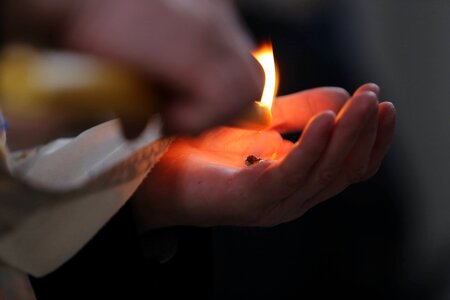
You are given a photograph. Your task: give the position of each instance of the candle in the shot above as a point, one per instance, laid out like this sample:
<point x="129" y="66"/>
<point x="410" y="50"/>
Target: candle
<point x="33" y="82"/>
<point x="36" y="83"/>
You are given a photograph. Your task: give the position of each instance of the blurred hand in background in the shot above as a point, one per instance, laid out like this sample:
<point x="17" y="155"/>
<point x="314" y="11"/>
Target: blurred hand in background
<point x="196" y="49"/>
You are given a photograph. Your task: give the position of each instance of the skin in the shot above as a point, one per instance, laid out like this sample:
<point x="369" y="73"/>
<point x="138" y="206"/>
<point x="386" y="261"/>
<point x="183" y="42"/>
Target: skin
<point x="195" y="51"/>
<point x="204" y="182"/>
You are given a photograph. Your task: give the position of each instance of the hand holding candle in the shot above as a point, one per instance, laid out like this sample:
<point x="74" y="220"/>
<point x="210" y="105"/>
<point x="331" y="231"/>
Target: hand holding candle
<point x="206" y="67"/>
<point x="47" y="83"/>
<point x="205" y="181"/>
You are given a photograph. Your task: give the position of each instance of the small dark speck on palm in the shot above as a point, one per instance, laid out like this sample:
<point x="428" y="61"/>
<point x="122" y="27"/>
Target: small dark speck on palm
<point x="251" y="160"/>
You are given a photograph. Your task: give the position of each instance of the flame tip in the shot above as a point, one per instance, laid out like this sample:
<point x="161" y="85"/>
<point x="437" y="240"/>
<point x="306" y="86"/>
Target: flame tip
<point x="264" y="55"/>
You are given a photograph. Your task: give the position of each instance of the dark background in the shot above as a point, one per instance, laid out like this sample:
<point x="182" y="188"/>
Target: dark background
<point x="387" y="238"/>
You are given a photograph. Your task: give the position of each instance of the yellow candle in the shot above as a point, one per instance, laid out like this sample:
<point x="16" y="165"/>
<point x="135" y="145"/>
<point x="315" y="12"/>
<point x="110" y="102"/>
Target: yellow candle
<point x="33" y="82"/>
<point x="257" y="117"/>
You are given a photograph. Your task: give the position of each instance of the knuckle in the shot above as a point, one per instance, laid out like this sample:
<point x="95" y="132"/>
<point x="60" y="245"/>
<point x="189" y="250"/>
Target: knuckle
<point x="371" y="172"/>
<point x="358" y="174"/>
<point x="257" y="218"/>
<point x="295" y="181"/>
<point x="249" y="214"/>
<point x="326" y="176"/>
<point x="265" y="221"/>
<point x="267" y="216"/>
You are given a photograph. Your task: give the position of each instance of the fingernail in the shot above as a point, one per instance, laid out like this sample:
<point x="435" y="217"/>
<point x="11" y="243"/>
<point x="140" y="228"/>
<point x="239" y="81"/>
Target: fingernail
<point x="374" y="88"/>
<point x="392" y="114"/>
<point x="330" y="112"/>
<point x="369" y="87"/>
<point x="372" y="97"/>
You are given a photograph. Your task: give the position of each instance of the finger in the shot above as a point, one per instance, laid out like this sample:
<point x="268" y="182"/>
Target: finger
<point x="292" y="172"/>
<point x="356" y="164"/>
<point x="368" y="87"/>
<point x="357" y="161"/>
<point x="386" y="127"/>
<point x="351" y="122"/>
<point x="220" y="91"/>
<point x="359" y="156"/>
<point x="291" y="113"/>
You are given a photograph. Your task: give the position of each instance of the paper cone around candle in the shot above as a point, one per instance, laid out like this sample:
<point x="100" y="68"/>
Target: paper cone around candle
<point x="66" y="191"/>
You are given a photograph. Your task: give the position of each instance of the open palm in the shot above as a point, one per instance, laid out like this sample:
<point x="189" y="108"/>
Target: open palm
<point x="204" y="181"/>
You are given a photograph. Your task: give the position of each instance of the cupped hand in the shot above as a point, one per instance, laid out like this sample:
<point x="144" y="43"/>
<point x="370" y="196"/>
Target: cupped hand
<point x="204" y="181"/>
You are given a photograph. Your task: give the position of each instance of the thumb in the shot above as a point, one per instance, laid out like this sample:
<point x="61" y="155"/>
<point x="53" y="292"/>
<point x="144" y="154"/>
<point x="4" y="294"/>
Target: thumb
<point x="291" y="113"/>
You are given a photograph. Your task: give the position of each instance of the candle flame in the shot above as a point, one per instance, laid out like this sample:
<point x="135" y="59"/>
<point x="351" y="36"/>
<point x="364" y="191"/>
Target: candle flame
<point x="264" y="55"/>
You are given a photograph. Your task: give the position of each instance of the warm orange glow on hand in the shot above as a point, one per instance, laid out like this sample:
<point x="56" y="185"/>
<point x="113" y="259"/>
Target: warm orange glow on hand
<point x="264" y="55"/>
